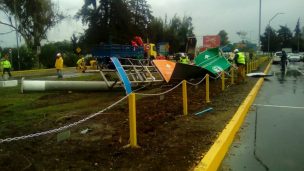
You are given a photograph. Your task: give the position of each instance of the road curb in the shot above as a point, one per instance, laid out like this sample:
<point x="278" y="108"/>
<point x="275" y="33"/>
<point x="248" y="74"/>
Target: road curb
<point x="213" y="158"/>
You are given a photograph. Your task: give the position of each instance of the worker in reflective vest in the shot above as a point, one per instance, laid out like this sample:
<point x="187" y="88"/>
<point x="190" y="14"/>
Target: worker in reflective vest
<point x="81" y="64"/>
<point x="184" y="59"/>
<point x="6" y="65"/>
<point x="239" y="59"/>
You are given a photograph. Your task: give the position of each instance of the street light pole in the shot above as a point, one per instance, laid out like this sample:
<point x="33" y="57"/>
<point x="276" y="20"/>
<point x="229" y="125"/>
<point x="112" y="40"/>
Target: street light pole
<point x="268" y="47"/>
<point x="260" y="14"/>
<point x="18" y="57"/>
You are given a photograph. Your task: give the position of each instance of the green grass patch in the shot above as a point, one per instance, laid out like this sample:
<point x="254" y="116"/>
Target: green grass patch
<point x="21" y="113"/>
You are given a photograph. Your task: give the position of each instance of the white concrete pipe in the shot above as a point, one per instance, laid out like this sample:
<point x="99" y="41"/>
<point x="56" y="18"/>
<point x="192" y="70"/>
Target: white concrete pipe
<point x="35" y="85"/>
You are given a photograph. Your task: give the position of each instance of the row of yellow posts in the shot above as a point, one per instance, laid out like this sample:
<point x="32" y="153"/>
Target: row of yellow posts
<point x="252" y="65"/>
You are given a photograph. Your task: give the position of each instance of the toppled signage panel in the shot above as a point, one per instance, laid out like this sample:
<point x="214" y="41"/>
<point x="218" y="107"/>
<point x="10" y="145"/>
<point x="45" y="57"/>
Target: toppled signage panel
<point x="122" y="74"/>
<point x="212" y="61"/>
<point x="165" y="67"/>
<point x="172" y="71"/>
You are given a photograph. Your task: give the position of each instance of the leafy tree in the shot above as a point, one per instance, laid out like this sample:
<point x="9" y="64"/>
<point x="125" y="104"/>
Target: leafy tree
<point x="118" y="21"/>
<point x="177" y="33"/>
<point x="109" y="21"/>
<point x="156" y="30"/>
<point x="141" y="16"/>
<point x="285" y="37"/>
<point x="297" y="39"/>
<point x="26" y="57"/>
<point x="75" y="42"/>
<point x="49" y="51"/>
<point x="224" y="37"/>
<point x="35" y="18"/>
<point x="274" y="43"/>
<point x="185" y="31"/>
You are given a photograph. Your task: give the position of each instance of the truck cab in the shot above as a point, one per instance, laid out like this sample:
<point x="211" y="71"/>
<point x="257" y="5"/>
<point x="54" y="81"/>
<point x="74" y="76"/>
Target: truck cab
<point x="150" y="50"/>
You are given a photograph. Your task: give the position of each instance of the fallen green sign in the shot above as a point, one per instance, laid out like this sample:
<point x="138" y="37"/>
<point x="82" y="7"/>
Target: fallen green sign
<point x="212" y="61"/>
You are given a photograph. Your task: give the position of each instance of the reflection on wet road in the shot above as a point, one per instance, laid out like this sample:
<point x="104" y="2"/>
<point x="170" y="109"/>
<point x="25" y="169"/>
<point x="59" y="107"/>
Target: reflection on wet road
<point x="272" y="136"/>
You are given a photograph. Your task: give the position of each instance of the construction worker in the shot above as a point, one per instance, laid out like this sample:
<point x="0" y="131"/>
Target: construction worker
<point x="93" y="64"/>
<point x="59" y="65"/>
<point x="239" y="59"/>
<point x="184" y="59"/>
<point x="6" y="66"/>
<point x="81" y="64"/>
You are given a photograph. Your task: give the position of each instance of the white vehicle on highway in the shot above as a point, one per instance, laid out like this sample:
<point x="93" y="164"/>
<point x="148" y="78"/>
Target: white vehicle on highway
<point x="277" y="58"/>
<point x="294" y="58"/>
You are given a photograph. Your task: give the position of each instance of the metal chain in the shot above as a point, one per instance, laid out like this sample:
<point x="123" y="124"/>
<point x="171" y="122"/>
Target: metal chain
<point x="195" y="84"/>
<point x="227" y="73"/>
<point x="61" y="128"/>
<point x="215" y="78"/>
<point x="142" y="94"/>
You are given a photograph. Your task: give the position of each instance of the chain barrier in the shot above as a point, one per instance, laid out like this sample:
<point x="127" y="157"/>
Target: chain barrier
<point x="142" y="87"/>
<point x="227" y="73"/>
<point x="56" y="130"/>
<point x="215" y="78"/>
<point x="143" y="94"/>
<point x="195" y="84"/>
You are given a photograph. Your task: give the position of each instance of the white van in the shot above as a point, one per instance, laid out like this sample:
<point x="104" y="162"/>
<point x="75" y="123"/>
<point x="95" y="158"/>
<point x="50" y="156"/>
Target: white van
<point x="277" y="58"/>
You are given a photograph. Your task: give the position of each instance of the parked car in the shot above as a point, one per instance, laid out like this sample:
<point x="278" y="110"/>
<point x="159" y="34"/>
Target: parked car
<point x="294" y="58"/>
<point x="277" y="58"/>
<point x="302" y="56"/>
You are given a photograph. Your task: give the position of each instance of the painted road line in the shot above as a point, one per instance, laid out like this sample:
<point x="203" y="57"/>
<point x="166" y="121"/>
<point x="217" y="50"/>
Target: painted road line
<point x="277" y="106"/>
<point x="213" y="158"/>
<point x="300" y="71"/>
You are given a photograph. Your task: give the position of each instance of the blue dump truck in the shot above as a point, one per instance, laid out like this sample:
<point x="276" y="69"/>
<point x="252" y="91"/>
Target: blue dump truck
<point x="102" y="53"/>
<point x="117" y="50"/>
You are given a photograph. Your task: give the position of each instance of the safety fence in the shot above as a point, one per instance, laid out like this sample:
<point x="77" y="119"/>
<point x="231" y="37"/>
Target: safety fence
<point x="252" y="65"/>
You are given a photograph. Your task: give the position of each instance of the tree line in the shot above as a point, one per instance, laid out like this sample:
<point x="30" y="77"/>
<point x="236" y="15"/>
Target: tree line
<point x="107" y="21"/>
<point x="118" y="21"/>
<point x="274" y="40"/>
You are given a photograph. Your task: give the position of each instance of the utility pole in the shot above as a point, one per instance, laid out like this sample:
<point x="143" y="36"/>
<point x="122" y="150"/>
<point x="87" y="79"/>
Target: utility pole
<point x="299" y="39"/>
<point x="260" y="14"/>
<point x="18" y="57"/>
<point x="270" y="28"/>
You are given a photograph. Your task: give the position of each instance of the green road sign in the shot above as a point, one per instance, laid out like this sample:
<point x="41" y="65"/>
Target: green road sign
<point x="212" y="61"/>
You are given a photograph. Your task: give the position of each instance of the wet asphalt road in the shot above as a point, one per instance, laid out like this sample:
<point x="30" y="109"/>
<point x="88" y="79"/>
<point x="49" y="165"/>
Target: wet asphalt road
<point x="272" y="136"/>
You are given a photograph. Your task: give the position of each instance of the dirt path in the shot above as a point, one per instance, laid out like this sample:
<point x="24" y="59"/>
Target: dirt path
<point x="168" y="140"/>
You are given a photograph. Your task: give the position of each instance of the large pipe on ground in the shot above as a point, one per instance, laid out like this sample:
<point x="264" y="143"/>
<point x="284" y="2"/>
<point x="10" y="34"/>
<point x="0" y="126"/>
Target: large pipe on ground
<point x="36" y="85"/>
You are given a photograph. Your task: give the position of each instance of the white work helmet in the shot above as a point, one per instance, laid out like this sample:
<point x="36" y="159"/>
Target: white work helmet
<point x="236" y="50"/>
<point x="58" y="54"/>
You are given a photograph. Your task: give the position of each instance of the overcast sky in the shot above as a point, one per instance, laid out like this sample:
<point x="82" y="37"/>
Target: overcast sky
<point x="209" y="17"/>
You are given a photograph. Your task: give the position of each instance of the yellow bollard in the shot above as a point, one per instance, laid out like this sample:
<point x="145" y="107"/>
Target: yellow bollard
<point x="132" y="121"/>
<point x="249" y="66"/>
<point x="223" y="81"/>
<point x="185" y="98"/>
<point x="232" y="75"/>
<point x="244" y="75"/>
<point x="207" y="89"/>
<point x="255" y="65"/>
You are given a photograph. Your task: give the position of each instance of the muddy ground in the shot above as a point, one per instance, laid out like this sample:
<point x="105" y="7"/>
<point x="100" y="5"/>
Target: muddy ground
<point x="167" y="139"/>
